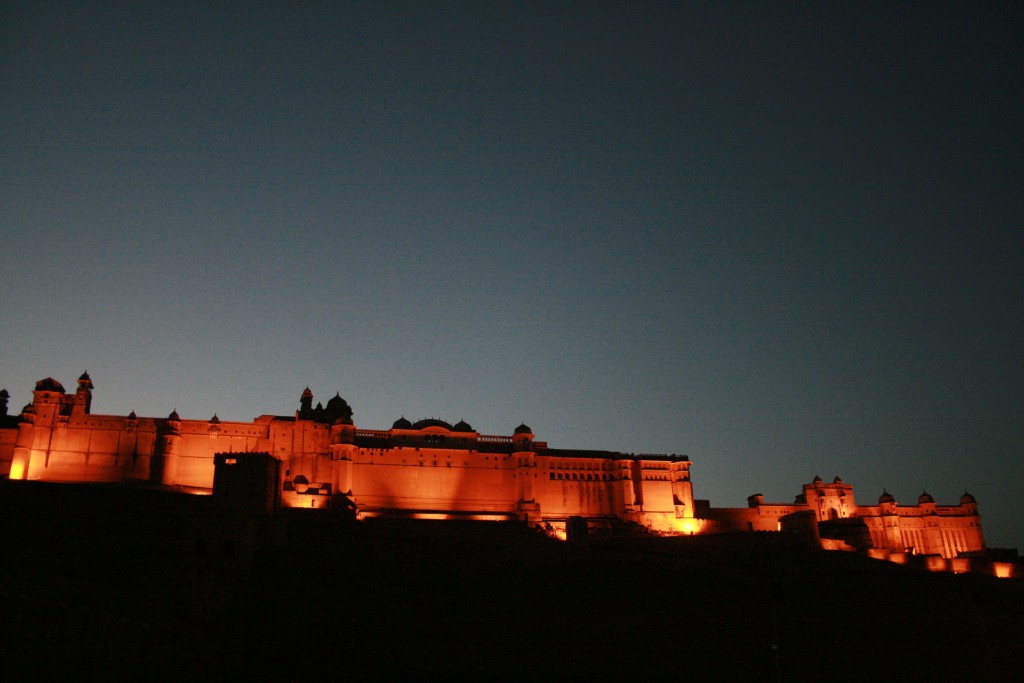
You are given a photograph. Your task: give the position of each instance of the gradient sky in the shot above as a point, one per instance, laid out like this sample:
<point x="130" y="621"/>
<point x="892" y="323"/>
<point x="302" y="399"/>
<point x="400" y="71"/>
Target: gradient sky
<point x="785" y="239"/>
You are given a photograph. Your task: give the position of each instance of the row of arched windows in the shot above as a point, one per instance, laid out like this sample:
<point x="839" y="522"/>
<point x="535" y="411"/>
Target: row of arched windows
<point x="573" y="476"/>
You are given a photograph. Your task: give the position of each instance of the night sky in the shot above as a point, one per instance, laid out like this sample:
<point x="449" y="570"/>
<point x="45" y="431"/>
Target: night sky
<point x="785" y="239"/>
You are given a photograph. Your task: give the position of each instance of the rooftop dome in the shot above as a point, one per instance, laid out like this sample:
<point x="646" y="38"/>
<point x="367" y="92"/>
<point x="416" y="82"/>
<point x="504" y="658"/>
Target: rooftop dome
<point x="49" y="384"/>
<point x="925" y="497"/>
<point x="886" y="497"/>
<point x="462" y="426"/>
<point x="431" y="422"/>
<point x="523" y="429"/>
<point x="967" y="499"/>
<point x="337" y="402"/>
<point x="173" y="415"/>
<point x="338" y="409"/>
<point x="402" y="423"/>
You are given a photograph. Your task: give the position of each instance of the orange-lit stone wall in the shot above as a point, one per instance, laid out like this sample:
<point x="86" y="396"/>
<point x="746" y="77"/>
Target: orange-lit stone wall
<point x="763" y="517"/>
<point x="923" y="529"/>
<point x="438" y="470"/>
<point x="58" y="440"/>
<point x="8" y="437"/>
<point x="595" y="487"/>
<point x="829" y="501"/>
<point x="187" y="448"/>
<point x="432" y="470"/>
<point x="434" y="479"/>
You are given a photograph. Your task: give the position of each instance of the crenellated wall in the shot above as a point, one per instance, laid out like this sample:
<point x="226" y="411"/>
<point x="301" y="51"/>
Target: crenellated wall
<point x="435" y="469"/>
<point x="948" y="531"/>
<point x="429" y="469"/>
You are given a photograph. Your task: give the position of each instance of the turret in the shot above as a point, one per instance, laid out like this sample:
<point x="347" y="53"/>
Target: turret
<point x="343" y="448"/>
<point x="682" y="489"/>
<point x="166" y="468"/>
<point x="887" y="503"/>
<point x="306" y="405"/>
<point x="4" y="397"/>
<point x="527" y="506"/>
<point x="83" y="396"/>
<point x="48" y="391"/>
<point x="890" y="537"/>
<point x="522" y="438"/>
<point x="49" y="406"/>
<point x="926" y="503"/>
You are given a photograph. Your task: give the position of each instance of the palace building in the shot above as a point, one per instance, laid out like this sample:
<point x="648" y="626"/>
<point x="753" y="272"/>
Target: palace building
<point x="431" y="469"/>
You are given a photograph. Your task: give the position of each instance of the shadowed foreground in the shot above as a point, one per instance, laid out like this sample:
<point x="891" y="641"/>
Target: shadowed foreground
<point x="148" y="583"/>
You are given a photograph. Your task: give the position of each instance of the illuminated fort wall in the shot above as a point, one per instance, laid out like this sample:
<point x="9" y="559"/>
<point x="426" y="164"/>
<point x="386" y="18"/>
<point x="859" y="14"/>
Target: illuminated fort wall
<point x="427" y="469"/>
<point x="434" y="469"/>
<point x="8" y="437"/>
<point x="925" y="528"/>
<point x="922" y="529"/>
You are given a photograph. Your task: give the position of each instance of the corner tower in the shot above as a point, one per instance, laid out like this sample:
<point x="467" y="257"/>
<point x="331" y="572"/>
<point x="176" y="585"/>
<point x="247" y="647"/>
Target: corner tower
<point x="343" y="444"/>
<point x="306" y="405"/>
<point x="525" y="458"/>
<point x="83" y="396"/>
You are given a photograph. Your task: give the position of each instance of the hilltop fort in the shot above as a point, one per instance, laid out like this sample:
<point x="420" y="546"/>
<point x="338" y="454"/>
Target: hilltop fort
<point x="317" y="458"/>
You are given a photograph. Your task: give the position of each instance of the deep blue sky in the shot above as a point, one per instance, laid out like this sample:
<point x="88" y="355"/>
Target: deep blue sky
<point x="783" y="238"/>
